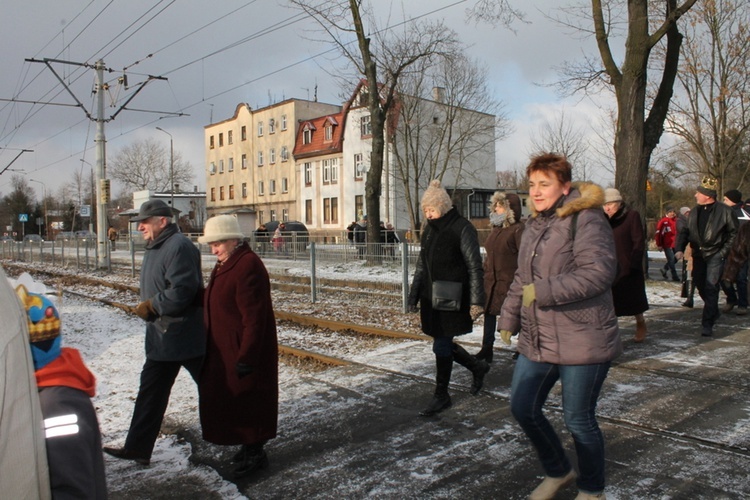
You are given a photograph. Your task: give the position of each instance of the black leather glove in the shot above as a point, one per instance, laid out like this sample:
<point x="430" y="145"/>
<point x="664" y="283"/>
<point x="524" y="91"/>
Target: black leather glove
<point x="243" y="370"/>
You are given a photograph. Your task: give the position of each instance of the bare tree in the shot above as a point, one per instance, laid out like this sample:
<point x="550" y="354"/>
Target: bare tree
<point x="144" y="164"/>
<point x="447" y="123"/>
<point x="394" y="53"/>
<point x="712" y="114"/>
<point x="18" y="201"/>
<point x="562" y="137"/>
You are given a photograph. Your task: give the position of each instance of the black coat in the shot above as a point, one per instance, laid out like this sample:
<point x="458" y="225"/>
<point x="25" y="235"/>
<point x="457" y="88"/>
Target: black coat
<point x="629" y="288"/>
<point x="450" y="252"/>
<point x="721" y="229"/>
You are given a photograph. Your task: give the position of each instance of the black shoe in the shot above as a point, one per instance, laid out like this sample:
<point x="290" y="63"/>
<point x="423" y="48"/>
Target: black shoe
<point x="663" y="273"/>
<point x="240" y="455"/>
<point x="707" y="332"/>
<point x="688" y="303"/>
<point x="438" y="404"/>
<point x="126" y="454"/>
<point x="480" y="370"/>
<point x="250" y="463"/>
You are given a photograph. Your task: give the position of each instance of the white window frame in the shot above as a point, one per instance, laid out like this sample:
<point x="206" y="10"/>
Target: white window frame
<point x="271" y="126"/>
<point x="212" y="168"/>
<point x="284" y="185"/>
<point x="221" y="166"/>
<point x="307" y="169"/>
<point x="284" y="153"/>
<point x="365" y="126"/>
<point x="244" y="189"/>
<point x="334" y="170"/>
<point x="260" y="129"/>
<point x="283" y="122"/>
<point x="272" y="186"/>
<point x="272" y="156"/>
<point x="244" y="161"/>
<point x="261" y="190"/>
<point x="359" y="166"/>
<point x="326" y="171"/>
<point x="230" y="165"/>
<point x="260" y="158"/>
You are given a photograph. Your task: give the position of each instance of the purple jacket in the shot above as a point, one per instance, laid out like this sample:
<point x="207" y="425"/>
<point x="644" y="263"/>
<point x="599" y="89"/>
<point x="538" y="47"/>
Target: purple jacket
<point x="572" y="321"/>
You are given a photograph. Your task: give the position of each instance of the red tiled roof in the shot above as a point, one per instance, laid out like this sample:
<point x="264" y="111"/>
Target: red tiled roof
<point x="318" y="145"/>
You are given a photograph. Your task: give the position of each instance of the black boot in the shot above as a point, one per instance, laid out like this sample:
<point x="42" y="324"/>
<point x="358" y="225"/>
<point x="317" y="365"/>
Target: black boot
<point x="478" y="367"/>
<point x="441" y="400"/>
<point x="485" y="353"/>
<point x="253" y="458"/>
<point x="691" y="293"/>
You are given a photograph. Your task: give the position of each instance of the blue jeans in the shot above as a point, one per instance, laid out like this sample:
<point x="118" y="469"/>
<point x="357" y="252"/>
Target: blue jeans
<point x="670" y="265"/>
<point x="581" y="385"/>
<point x="443" y="346"/>
<point x="738" y="296"/>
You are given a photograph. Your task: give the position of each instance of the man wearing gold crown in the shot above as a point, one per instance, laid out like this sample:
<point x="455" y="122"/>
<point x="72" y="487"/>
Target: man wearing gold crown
<point x="710" y="230"/>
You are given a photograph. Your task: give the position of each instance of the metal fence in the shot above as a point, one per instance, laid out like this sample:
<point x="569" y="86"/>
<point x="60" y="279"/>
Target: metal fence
<point x="78" y="253"/>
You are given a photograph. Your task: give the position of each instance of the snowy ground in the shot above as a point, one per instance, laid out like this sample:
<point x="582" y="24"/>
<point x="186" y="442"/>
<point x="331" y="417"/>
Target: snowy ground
<point x="111" y="342"/>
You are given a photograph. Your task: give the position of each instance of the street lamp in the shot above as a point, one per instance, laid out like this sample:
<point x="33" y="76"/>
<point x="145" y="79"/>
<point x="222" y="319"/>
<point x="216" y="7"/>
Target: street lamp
<point x="44" y="194"/>
<point x="171" y="169"/>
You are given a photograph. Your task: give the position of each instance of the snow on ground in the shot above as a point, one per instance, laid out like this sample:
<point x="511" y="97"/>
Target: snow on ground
<point x="112" y="344"/>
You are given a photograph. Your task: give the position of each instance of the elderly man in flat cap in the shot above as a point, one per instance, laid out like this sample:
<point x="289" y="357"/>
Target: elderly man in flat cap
<point x="171" y="282"/>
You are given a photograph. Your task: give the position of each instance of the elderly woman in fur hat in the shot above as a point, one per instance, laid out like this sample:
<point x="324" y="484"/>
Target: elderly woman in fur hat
<point x="501" y="262"/>
<point x="449" y="258"/>
<point x="238" y="386"/>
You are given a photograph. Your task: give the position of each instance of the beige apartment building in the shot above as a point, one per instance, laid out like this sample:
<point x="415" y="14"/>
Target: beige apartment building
<point x="250" y="170"/>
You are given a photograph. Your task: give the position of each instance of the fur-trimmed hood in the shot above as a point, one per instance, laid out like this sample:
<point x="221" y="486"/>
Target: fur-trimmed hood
<point x="583" y="195"/>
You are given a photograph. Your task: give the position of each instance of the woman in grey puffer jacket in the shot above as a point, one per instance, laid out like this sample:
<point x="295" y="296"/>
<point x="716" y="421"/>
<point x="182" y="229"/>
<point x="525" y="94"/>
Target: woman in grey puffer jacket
<point x="561" y="303"/>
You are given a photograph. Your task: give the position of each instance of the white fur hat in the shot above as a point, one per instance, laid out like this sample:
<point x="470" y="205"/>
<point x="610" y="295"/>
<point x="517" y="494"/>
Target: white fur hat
<point x="435" y="196"/>
<point x="221" y="227"/>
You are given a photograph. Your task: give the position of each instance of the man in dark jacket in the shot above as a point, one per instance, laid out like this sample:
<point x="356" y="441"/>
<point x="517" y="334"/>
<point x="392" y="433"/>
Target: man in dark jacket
<point x="171" y="280"/>
<point x="736" y="290"/>
<point x="711" y="229"/>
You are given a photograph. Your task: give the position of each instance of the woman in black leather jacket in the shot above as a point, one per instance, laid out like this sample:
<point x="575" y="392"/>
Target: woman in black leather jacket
<point x="450" y="252"/>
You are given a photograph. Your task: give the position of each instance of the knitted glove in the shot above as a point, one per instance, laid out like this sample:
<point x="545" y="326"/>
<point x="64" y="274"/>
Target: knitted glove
<point x="145" y="310"/>
<point x="505" y="336"/>
<point x="243" y="370"/>
<point x="475" y="312"/>
<point x="529" y="295"/>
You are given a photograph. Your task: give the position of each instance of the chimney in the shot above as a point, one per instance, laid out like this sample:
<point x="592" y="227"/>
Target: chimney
<point x="176" y="188"/>
<point x="195" y="188"/>
<point x="438" y="94"/>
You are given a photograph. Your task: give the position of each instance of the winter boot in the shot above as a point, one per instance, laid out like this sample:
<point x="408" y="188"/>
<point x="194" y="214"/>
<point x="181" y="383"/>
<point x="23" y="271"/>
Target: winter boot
<point x="691" y="293"/>
<point x="441" y="400"/>
<point x="640" y="329"/>
<point x="253" y="458"/>
<point x="477" y="367"/>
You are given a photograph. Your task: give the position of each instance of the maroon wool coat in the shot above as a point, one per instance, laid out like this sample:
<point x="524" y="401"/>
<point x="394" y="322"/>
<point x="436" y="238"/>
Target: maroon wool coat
<point x="241" y="327"/>
<point x="500" y="265"/>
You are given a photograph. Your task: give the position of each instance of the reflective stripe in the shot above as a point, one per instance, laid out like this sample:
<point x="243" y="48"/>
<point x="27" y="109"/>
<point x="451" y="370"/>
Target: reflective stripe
<point x="64" y="425"/>
<point x="65" y="430"/>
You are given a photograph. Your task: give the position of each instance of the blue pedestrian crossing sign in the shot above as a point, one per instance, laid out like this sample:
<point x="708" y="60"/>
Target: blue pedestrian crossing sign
<point x="23" y="217"/>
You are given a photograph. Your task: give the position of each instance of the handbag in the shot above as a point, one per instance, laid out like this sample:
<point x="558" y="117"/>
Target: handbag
<point x="446" y="295"/>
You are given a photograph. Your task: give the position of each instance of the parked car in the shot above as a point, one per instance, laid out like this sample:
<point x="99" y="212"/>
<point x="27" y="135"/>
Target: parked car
<point x="5" y="237"/>
<point x="85" y="235"/>
<point x="66" y="235"/>
<point x="32" y="238"/>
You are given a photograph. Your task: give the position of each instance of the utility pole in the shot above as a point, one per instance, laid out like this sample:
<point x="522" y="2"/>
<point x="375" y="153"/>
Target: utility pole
<point x="171" y="171"/>
<point x="102" y="184"/>
<point x="46" y="220"/>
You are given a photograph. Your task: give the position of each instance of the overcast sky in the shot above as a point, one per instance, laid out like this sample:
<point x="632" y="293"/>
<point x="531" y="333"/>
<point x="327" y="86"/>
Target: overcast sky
<point x="219" y="54"/>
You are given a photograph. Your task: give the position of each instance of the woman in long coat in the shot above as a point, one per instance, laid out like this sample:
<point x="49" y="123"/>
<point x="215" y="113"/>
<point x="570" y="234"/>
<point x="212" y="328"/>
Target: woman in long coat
<point x="501" y="262"/>
<point x="629" y="288"/>
<point x="450" y="252"/>
<point x="239" y="382"/>
<point x="561" y="303"/>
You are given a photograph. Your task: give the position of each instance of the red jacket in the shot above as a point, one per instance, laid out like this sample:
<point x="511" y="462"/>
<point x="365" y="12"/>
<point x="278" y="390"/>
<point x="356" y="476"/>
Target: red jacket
<point x="666" y="232"/>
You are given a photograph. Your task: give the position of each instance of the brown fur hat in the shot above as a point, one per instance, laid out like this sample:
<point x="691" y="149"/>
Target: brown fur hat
<point x="435" y="196"/>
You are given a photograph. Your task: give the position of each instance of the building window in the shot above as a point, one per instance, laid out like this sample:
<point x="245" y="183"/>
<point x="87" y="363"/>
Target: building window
<point x="334" y="210"/>
<point x="326" y="171"/>
<point x="359" y="166"/>
<point x="365" y="126"/>
<point x="328" y="132"/>
<point x="478" y="205"/>
<point x="221" y="193"/>
<point x="230" y="167"/>
<point x="213" y="194"/>
<point x="271" y="126"/>
<point x="212" y="168"/>
<point x="284" y="185"/>
<point x="230" y="135"/>
<point x="221" y="139"/>
<point x="272" y="186"/>
<point x="273" y="215"/>
<point x="260" y="158"/>
<point x="326" y="210"/>
<point x="308" y="174"/>
<point x="211" y="142"/>
<point x="221" y="166"/>
<point x="261" y="215"/>
<point x="260" y="129"/>
<point x="306" y="136"/>
<point x="244" y="189"/>
<point x="284" y="153"/>
<point x="334" y="170"/>
<point x="260" y="188"/>
<point x="359" y="205"/>
<point x="285" y="215"/>
<point x="283" y="122"/>
<point x="272" y="156"/>
<point x="244" y="161"/>
<point x="243" y="133"/>
<point x="231" y="191"/>
<point x="308" y="212"/>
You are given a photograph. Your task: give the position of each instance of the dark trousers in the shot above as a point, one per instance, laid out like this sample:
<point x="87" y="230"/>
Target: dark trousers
<point x="736" y="292"/>
<point x="157" y="379"/>
<point x="670" y="265"/>
<point x="706" y="274"/>
<point x="488" y="335"/>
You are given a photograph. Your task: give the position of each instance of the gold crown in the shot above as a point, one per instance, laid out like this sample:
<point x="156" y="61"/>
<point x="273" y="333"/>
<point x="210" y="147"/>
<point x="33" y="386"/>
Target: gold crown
<point x="709" y="182"/>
